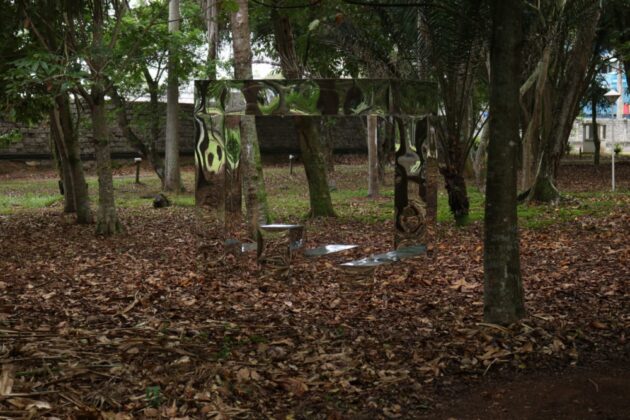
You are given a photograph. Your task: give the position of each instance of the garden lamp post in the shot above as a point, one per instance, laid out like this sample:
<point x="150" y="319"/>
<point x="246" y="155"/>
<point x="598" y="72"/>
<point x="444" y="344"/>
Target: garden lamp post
<point x="137" y="161"/>
<point x="612" y="95"/>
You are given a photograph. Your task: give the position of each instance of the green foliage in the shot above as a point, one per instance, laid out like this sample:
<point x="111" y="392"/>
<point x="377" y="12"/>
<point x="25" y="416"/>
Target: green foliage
<point x="10" y="137"/>
<point x="145" y="41"/>
<point x="153" y="396"/>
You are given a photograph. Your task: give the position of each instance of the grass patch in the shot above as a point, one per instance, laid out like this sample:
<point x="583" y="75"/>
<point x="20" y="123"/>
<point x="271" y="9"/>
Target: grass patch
<point x="289" y="200"/>
<point x="10" y="203"/>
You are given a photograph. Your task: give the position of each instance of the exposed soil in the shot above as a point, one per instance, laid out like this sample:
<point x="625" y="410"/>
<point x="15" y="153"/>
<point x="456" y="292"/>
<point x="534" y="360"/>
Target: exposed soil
<point x="156" y="322"/>
<point x="600" y="391"/>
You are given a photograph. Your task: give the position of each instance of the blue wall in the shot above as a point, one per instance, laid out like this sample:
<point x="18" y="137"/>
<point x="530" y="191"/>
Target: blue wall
<point x="610" y="110"/>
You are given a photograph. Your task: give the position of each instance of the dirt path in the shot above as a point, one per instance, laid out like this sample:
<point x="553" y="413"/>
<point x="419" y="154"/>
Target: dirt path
<point x="600" y="392"/>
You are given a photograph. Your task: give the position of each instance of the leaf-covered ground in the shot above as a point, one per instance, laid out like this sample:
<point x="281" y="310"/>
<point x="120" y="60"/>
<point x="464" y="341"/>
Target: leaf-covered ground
<point x="156" y="323"/>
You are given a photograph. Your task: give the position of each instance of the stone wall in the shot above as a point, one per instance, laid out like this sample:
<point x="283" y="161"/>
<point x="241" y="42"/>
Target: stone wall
<point x="35" y="142"/>
<point x="277" y="135"/>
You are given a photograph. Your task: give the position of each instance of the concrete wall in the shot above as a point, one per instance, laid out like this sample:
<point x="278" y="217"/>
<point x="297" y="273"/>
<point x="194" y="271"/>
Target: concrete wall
<point x="612" y="131"/>
<point x="277" y="135"/>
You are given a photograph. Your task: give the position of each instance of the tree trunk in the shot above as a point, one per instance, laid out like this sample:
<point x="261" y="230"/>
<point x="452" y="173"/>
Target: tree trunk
<point x="204" y="185"/>
<point x="480" y="163"/>
<point x="452" y="172"/>
<point x="457" y="195"/>
<point x="596" y="142"/>
<point x="147" y="152"/>
<point x="61" y="158"/>
<point x="386" y="147"/>
<point x="503" y="290"/>
<point x="255" y="197"/>
<point x="107" y="222"/>
<point x="172" y="179"/>
<point x="372" y="129"/>
<point x="534" y="130"/>
<point x="559" y="117"/>
<point x="312" y="150"/>
<point x="253" y="179"/>
<point x="212" y="26"/>
<point x="154" y="106"/>
<point x="314" y="165"/>
<point x="73" y="156"/>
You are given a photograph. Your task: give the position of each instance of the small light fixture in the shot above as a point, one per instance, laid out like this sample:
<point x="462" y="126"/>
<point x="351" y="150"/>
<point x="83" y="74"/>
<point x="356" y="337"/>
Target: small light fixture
<point x="612" y="95"/>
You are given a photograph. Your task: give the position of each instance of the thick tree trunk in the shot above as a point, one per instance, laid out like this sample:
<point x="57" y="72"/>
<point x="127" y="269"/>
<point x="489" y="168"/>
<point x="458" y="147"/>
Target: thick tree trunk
<point x="107" y="222"/>
<point x="503" y="290"/>
<point x="172" y="179"/>
<point x="453" y="175"/>
<point x="255" y="198"/>
<point x="314" y="165"/>
<point x="253" y="179"/>
<point x="328" y="145"/>
<point x="313" y="150"/>
<point x="453" y="172"/>
<point x="457" y="195"/>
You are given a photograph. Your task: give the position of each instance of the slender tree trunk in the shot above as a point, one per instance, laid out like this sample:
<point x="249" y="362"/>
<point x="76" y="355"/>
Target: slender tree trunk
<point x="386" y="147"/>
<point x="212" y="33"/>
<point x="503" y="290"/>
<point x="253" y="179"/>
<point x="372" y="129"/>
<point x="565" y="100"/>
<point x="480" y="162"/>
<point x="56" y="135"/>
<point x="172" y="179"/>
<point x="531" y="137"/>
<point x="314" y="165"/>
<point x="596" y="142"/>
<point x="123" y="120"/>
<point x="73" y="157"/>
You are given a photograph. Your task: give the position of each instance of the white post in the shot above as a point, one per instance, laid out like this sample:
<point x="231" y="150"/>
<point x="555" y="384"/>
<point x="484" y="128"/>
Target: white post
<point x="372" y="126"/>
<point x="619" y="118"/>
<point x="613" y="166"/>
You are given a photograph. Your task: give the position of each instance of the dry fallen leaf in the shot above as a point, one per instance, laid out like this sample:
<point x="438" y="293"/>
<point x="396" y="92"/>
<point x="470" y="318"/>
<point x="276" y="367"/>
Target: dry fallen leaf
<point x="599" y="325"/>
<point x="6" y="379"/>
<point x="296" y="386"/>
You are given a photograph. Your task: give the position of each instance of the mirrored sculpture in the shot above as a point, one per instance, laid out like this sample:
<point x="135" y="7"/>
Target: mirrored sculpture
<point x="409" y="105"/>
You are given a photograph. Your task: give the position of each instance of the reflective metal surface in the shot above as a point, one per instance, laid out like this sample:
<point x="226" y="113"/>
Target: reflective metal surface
<point x="405" y="106"/>
<point x="387" y="257"/>
<point x="327" y="249"/>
